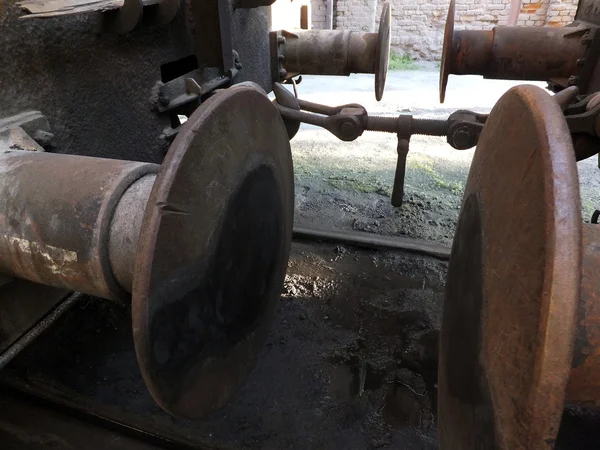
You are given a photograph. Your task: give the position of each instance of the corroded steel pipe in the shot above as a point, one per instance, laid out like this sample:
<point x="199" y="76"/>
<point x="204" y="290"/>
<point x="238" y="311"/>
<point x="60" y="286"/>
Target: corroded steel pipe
<point x="330" y="52"/>
<point x="516" y="53"/>
<point x="72" y="221"/>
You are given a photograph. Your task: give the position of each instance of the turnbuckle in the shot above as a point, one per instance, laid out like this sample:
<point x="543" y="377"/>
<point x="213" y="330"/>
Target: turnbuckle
<point x="348" y="122"/>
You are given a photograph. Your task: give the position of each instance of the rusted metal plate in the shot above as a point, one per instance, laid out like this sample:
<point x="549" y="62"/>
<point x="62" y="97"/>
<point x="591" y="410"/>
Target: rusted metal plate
<point x="213" y="252"/>
<point x="512" y="292"/>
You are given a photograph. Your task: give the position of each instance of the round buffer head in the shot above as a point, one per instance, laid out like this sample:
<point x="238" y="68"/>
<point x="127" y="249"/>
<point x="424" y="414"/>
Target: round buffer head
<point x="512" y="287"/>
<point x="447" y="49"/>
<point x="213" y="252"/>
<point x="382" y="58"/>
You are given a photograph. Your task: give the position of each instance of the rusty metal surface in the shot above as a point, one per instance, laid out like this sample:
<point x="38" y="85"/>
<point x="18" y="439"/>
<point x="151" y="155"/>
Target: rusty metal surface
<point x="529" y="53"/>
<point x="513" y="283"/>
<point x="213" y="252"/>
<point x="398" y="187"/>
<point x="330" y="52"/>
<point x="125" y="229"/>
<point x="584" y="381"/>
<point x="348" y="122"/>
<point x="519" y="53"/>
<point x="335" y="52"/>
<point x="287" y="99"/>
<point x="382" y="58"/>
<point x="55" y="216"/>
<point x="447" y="48"/>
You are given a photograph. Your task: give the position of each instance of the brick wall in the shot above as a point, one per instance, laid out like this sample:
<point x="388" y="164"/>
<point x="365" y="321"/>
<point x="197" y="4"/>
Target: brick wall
<point x="318" y="14"/>
<point x="418" y="25"/>
<point x="355" y="14"/>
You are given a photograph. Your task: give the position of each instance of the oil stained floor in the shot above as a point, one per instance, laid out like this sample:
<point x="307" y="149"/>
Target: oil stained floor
<point x="350" y="364"/>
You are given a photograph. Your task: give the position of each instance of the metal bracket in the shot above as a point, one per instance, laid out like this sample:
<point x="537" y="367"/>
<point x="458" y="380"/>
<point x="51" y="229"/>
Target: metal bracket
<point x="188" y="88"/>
<point x="182" y="95"/>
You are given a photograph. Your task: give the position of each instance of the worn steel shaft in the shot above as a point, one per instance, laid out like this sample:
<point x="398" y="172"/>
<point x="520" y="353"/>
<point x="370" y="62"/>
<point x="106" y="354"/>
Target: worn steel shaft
<point x="72" y="221"/>
<point x="549" y="54"/>
<point x="330" y="52"/>
<point x="516" y="53"/>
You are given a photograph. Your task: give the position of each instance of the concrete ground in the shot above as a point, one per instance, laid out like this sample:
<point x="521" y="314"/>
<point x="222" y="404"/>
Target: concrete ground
<point x="348" y="185"/>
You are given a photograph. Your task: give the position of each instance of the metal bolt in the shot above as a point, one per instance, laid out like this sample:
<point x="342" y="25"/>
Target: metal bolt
<point x="462" y="138"/>
<point x="281" y="57"/>
<point x="580" y="62"/>
<point x="573" y="80"/>
<point x="283" y="73"/>
<point x="280" y="40"/>
<point x="348" y="129"/>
